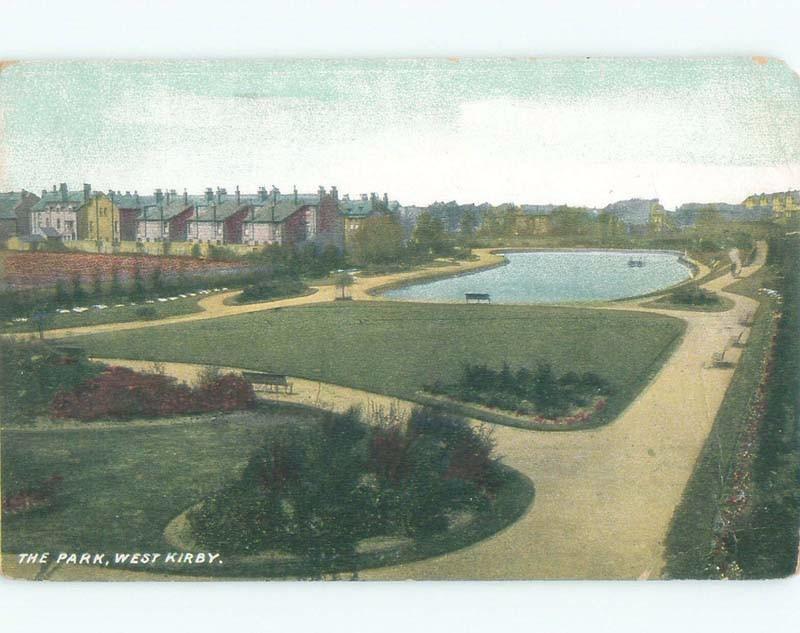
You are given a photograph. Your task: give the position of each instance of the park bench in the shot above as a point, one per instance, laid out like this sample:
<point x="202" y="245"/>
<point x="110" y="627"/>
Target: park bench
<point x="477" y="297"/>
<point x="271" y="382"/>
<point x="736" y="341"/>
<point x="718" y="359"/>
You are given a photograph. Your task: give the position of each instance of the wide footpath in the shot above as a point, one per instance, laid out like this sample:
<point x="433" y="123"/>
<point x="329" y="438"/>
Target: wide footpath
<point x="605" y="496"/>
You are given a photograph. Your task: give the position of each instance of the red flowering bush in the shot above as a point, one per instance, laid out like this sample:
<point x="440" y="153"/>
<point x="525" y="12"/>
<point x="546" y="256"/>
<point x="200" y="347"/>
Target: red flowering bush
<point x="119" y="392"/>
<point x="227" y="393"/>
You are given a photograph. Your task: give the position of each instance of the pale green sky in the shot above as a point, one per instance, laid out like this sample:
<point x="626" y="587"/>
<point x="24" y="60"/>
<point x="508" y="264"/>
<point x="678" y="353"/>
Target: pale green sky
<point x="546" y="130"/>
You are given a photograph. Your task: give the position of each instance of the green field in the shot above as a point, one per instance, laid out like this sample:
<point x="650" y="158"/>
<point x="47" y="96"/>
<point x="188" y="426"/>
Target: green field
<point x="123" y="485"/>
<point x="109" y="315"/>
<point x="396" y="349"/>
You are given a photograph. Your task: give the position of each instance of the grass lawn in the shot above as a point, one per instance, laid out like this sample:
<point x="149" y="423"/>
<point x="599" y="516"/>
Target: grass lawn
<point x="122" y="486"/>
<point x="110" y="315"/>
<point x="397" y="348"/>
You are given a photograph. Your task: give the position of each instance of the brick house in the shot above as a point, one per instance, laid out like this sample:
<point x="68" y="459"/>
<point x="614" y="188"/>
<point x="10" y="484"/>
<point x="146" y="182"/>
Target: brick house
<point x="220" y="220"/>
<point x="166" y="219"/>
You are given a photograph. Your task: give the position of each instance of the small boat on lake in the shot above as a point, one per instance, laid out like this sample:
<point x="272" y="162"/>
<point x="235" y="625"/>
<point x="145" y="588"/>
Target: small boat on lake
<point x="636" y="263"/>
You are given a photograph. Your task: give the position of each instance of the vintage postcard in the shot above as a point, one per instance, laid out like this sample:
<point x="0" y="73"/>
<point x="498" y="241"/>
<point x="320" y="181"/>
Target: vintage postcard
<point x="445" y="319"/>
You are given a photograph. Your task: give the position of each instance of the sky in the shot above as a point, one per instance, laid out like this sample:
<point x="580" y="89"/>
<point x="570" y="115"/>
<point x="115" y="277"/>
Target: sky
<point x="527" y="130"/>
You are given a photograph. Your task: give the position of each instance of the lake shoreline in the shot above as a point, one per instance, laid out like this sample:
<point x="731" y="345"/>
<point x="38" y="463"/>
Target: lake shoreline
<point x="394" y="292"/>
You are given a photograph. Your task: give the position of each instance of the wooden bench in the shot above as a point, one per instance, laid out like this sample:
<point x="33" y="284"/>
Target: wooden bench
<point x="718" y="359"/>
<point x="736" y="341"/>
<point x="477" y="297"/>
<point x="273" y="383"/>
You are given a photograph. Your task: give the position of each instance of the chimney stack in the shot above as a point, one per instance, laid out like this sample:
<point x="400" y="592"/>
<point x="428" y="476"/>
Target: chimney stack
<point x="262" y="194"/>
<point x="335" y="193"/>
<point x="185" y="196"/>
<point x="159" y="196"/>
<point x="44" y="192"/>
<point x="87" y="191"/>
<point x="386" y="199"/>
<point x="295" y="194"/>
<point x="64" y="191"/>
<point x="209" y="194"/>
<point x="364" y="197"/>
<point x="238" y="196"/>
<point x="136" y="197"/>
<point x="321" y="192"/>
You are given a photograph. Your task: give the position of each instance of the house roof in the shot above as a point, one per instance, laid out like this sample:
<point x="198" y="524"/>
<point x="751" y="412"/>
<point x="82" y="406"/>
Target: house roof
<point x="165" y="211"/>
<point x="13" y="201"/>
<point x="219" y="211"/>
<point x="282" y="210"/>
<point x="8" y="205"/>
<point x="54" y="198"/>
<point x="356" y="208"/>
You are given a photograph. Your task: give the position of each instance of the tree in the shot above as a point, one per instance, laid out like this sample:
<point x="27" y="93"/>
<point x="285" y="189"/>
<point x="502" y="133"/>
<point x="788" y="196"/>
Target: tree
<point x="467" y="227"/>
<point x="97" y="286"/>
<point x="62" y="296"/>
<point x="138" y="290"/>
<point x="429" y="236"/>
<point x="343" y="282"/>
<point x="78" y="293"/>
<point x="157" y="281"/>
<point x="115" y="290"/>
<point x="379" y="240"/>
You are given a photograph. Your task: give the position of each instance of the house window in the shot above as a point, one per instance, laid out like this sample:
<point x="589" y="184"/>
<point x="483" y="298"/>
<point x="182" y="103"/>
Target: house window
<point x="47" y="222"/>
<point x="58" y="223"/>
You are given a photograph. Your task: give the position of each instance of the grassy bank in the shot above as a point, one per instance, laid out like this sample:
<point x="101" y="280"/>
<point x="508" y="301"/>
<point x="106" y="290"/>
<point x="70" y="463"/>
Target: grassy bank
<point x="397" y="348"/>
<point x="111" y="314"/>
<point x="766" y="543"/>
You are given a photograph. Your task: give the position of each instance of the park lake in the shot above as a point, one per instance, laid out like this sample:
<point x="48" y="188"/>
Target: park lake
<point x="558" y="277"/>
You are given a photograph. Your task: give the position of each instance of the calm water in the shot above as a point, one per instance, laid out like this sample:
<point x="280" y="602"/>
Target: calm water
<point x="552" y="277"/>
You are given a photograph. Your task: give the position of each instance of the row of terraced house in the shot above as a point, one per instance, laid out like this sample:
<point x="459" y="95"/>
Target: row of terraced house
<point x="216" y="217"/>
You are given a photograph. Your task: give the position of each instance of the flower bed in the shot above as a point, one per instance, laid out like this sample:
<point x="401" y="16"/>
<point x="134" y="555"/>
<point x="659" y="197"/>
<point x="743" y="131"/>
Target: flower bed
<point x="42" y="269"/>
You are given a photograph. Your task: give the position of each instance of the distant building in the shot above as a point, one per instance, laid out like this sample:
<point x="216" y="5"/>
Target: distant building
<point x="784" y="205"/>
<point x="57" y="210"/>
<point x="166" y="219"/>
<point x="296" y="218"/>
<point x="98" y="218"/>
<point x="15" y="208"/>
<point x="689" y="213"/>
<point x="354" y="212"/>
<point x="220" y="220"/>
<point x="634" y="212"/>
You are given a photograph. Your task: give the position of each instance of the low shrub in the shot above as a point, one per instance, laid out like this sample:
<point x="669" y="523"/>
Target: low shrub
<point x="119" y="392"/>
<point x="317" y="491"/>
<point x="146" y="312"/>
<point x="525" y="391"/>
<point x="694" y="296"/>
<point x="273" y="288"/>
